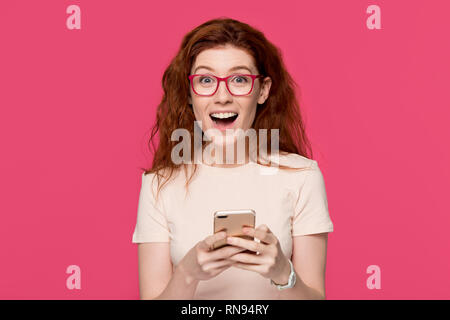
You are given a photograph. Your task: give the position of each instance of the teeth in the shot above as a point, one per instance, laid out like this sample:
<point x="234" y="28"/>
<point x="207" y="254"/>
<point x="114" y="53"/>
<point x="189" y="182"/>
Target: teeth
<point x="223" y="115"/>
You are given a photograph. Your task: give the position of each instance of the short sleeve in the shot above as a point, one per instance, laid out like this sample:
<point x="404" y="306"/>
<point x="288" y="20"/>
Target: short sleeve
<point x="151" y="223"/>
<point x="311" y="210"/>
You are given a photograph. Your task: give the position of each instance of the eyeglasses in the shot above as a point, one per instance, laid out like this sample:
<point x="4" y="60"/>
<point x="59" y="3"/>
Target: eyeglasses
<point x="237" y="84"/>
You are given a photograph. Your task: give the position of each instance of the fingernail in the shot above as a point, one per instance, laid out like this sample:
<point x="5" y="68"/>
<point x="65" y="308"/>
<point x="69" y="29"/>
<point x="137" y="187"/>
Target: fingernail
<point x="230" y="240"/>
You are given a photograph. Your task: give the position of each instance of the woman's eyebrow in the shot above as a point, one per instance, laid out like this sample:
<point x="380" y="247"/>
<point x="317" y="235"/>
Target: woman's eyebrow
<point x="232" y="69"/>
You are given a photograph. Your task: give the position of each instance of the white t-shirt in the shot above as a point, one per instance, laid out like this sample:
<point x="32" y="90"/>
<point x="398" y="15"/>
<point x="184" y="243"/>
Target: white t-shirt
<point x="290" y="203"/>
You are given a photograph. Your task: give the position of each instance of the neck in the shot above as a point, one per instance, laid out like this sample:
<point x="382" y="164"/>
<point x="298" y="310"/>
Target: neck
<point x="224" y="156"/>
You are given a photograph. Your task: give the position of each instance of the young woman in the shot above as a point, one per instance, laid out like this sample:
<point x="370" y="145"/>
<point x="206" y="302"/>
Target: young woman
<point x="228" y="75"/>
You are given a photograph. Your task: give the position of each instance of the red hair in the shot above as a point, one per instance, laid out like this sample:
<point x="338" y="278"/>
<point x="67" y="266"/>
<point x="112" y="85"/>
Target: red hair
<point x="279" y="111"/>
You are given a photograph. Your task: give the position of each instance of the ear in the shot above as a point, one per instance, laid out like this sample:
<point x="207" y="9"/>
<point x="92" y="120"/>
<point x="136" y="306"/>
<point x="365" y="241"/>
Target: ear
<point x="265" y="88"/>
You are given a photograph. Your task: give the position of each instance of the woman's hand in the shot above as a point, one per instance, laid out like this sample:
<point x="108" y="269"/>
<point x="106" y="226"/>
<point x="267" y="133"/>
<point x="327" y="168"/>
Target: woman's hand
<point x="203" y="263"/>
<point x="268" y="259"/>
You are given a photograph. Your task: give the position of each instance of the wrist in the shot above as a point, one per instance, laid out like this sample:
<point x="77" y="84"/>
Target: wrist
<point x="283" y="277"/>
<point x="186" y="277"/>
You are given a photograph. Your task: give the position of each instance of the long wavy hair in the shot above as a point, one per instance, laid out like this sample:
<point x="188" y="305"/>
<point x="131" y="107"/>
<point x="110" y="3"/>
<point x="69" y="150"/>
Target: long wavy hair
<point x="279" y="111"/>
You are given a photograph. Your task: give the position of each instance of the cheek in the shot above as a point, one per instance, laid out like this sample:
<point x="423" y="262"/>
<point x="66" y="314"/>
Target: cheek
<point x="199" y="110"/>
<point x="249" y="114"/>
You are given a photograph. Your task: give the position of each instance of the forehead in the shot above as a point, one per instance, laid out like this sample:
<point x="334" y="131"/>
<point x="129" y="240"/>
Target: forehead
<point x="221" y="59"/>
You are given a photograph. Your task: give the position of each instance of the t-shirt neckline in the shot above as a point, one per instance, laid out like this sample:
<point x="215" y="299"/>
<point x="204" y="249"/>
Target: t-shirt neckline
<point x="224" y="169"/>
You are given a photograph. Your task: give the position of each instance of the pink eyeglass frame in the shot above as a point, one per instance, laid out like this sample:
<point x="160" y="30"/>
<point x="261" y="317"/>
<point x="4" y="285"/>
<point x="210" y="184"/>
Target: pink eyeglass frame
<point x="219" y="79"/>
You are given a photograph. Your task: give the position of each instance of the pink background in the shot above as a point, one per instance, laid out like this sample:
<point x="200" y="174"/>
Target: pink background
<point x="77" y="106"/>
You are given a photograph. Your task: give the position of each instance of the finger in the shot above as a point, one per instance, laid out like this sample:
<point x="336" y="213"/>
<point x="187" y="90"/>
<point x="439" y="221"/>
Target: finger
<point x="215" y="272"/>
<point x="263" y="230"/>
<point x="247" y="244"/>
<point x="217" y="264"/>
<point x="247" y="258"/>
<point x="250" y="267"/>
<point x="223" y="253"/>
<point x="207" y="243"/>
<point x="260" y="234"/>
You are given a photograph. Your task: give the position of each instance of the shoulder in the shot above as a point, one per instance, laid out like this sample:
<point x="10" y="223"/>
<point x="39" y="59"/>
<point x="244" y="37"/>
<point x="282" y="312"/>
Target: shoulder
<point x="164" y="178"/>
<point x="148" y="182"/>
<point x="294" y="160"/>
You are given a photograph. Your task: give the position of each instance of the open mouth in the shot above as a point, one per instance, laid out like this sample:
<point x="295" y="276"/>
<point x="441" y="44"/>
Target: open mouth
<point x="224" y="120"/>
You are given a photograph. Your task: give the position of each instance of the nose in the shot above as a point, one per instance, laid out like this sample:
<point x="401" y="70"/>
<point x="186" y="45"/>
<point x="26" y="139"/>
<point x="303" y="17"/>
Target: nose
<point x="222" y="94"/>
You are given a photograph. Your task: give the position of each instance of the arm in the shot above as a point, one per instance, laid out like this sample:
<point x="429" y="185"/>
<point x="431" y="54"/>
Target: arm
<point x="156" y="279"/>
<point x="309" y="260"/>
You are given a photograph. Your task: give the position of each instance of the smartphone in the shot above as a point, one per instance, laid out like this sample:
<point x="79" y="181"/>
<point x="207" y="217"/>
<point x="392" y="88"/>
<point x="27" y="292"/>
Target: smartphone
<point x="232" y="222"/>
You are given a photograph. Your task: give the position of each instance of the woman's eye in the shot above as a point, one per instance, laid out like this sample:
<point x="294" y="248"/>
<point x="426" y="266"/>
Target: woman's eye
<point x="240" y="79"/>
<point x="205" y="79"/>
